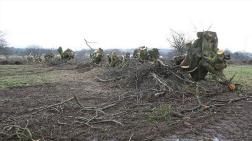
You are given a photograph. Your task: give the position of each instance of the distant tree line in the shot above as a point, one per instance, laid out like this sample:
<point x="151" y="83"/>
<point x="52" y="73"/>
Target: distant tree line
<point x="177" y="42"/>
<point x="33" y="50"/>
<point x="240" y="57"/>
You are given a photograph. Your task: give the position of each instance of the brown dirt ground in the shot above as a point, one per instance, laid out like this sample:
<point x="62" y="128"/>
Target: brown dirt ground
<point x="132" y="107"/>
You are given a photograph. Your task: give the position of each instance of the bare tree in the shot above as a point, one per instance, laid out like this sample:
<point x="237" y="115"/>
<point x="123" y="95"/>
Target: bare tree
<point x="4" y="49"/>
<point x="3" y="42"/>
<point x="177" y="41"/>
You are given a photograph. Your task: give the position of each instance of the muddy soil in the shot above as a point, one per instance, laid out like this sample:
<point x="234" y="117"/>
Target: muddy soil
<point x="107" y="111"/>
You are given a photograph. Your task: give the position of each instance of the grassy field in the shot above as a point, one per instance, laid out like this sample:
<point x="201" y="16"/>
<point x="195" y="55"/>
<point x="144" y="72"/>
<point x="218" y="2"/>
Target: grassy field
<point x="26" y="75"/>
<point x="243" y="74"/>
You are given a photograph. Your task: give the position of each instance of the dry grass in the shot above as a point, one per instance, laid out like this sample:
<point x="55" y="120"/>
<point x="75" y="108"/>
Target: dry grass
<point x="243" y="74"/>
<point x="26" y="75"/>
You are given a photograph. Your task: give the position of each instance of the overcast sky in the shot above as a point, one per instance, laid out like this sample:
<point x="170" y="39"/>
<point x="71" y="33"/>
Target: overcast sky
<point x="123" y="23"/>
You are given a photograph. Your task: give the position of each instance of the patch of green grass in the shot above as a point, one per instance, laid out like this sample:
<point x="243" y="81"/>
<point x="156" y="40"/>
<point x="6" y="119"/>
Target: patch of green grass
<point x="25" y="75"/>
<point x="243" y="74"/>
<point x="160" y="113"/>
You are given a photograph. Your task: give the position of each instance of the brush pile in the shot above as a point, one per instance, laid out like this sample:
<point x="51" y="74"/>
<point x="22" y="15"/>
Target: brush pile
<point x="161" y="76"/>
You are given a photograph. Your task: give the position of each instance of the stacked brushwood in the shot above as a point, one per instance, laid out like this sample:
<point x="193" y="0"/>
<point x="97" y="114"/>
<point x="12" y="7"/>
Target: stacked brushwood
<point x="162" y="75"/>
<point x="163" y="79"/>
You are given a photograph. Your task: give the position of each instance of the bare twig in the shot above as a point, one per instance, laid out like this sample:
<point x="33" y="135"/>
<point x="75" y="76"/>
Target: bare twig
<point x="61" y="123"/>
<point x="206" y="107"/>
<point x="87" y="43"/>
<point x="230" y="80"/>
<point x="84" y="124"/>
<point x="172" y="72"/>
<point x="131" y="136"/>
<point x="155" y="76"/>
<point x="107" y="80"/>
<point x="194" y="69"/>
<point x="60" y="103"/>
<point x="230" y="100"/>
<point x="94" y="117"/>
<point x="78" y="102"/>
<point x="50" y="106"/>
<point x="159" y="93"/>
<point x="20" y="132"/>
<point x="163" y="64"/>
<point x="108" y="106"/>
<point x="200" y="105"/>
<point x="103" y="121"/>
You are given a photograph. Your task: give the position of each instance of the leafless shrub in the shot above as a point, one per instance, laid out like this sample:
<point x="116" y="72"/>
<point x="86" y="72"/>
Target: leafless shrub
<point x="35" y="54"/>
<point x="12" y="60"/>
<point x="178" y="42"/>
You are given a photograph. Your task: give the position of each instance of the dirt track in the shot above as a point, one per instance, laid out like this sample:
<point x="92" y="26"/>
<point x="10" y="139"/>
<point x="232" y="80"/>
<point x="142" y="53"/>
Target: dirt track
<point x="125" y="120"/>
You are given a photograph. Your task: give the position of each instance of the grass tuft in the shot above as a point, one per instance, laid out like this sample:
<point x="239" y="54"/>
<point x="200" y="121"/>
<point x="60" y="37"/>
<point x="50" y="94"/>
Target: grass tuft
<point x="160" y="113"/>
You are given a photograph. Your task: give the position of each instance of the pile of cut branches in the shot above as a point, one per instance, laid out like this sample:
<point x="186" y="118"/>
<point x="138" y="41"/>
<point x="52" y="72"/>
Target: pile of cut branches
<point x="162" y="76"/>
<point x="167" y="80"/>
